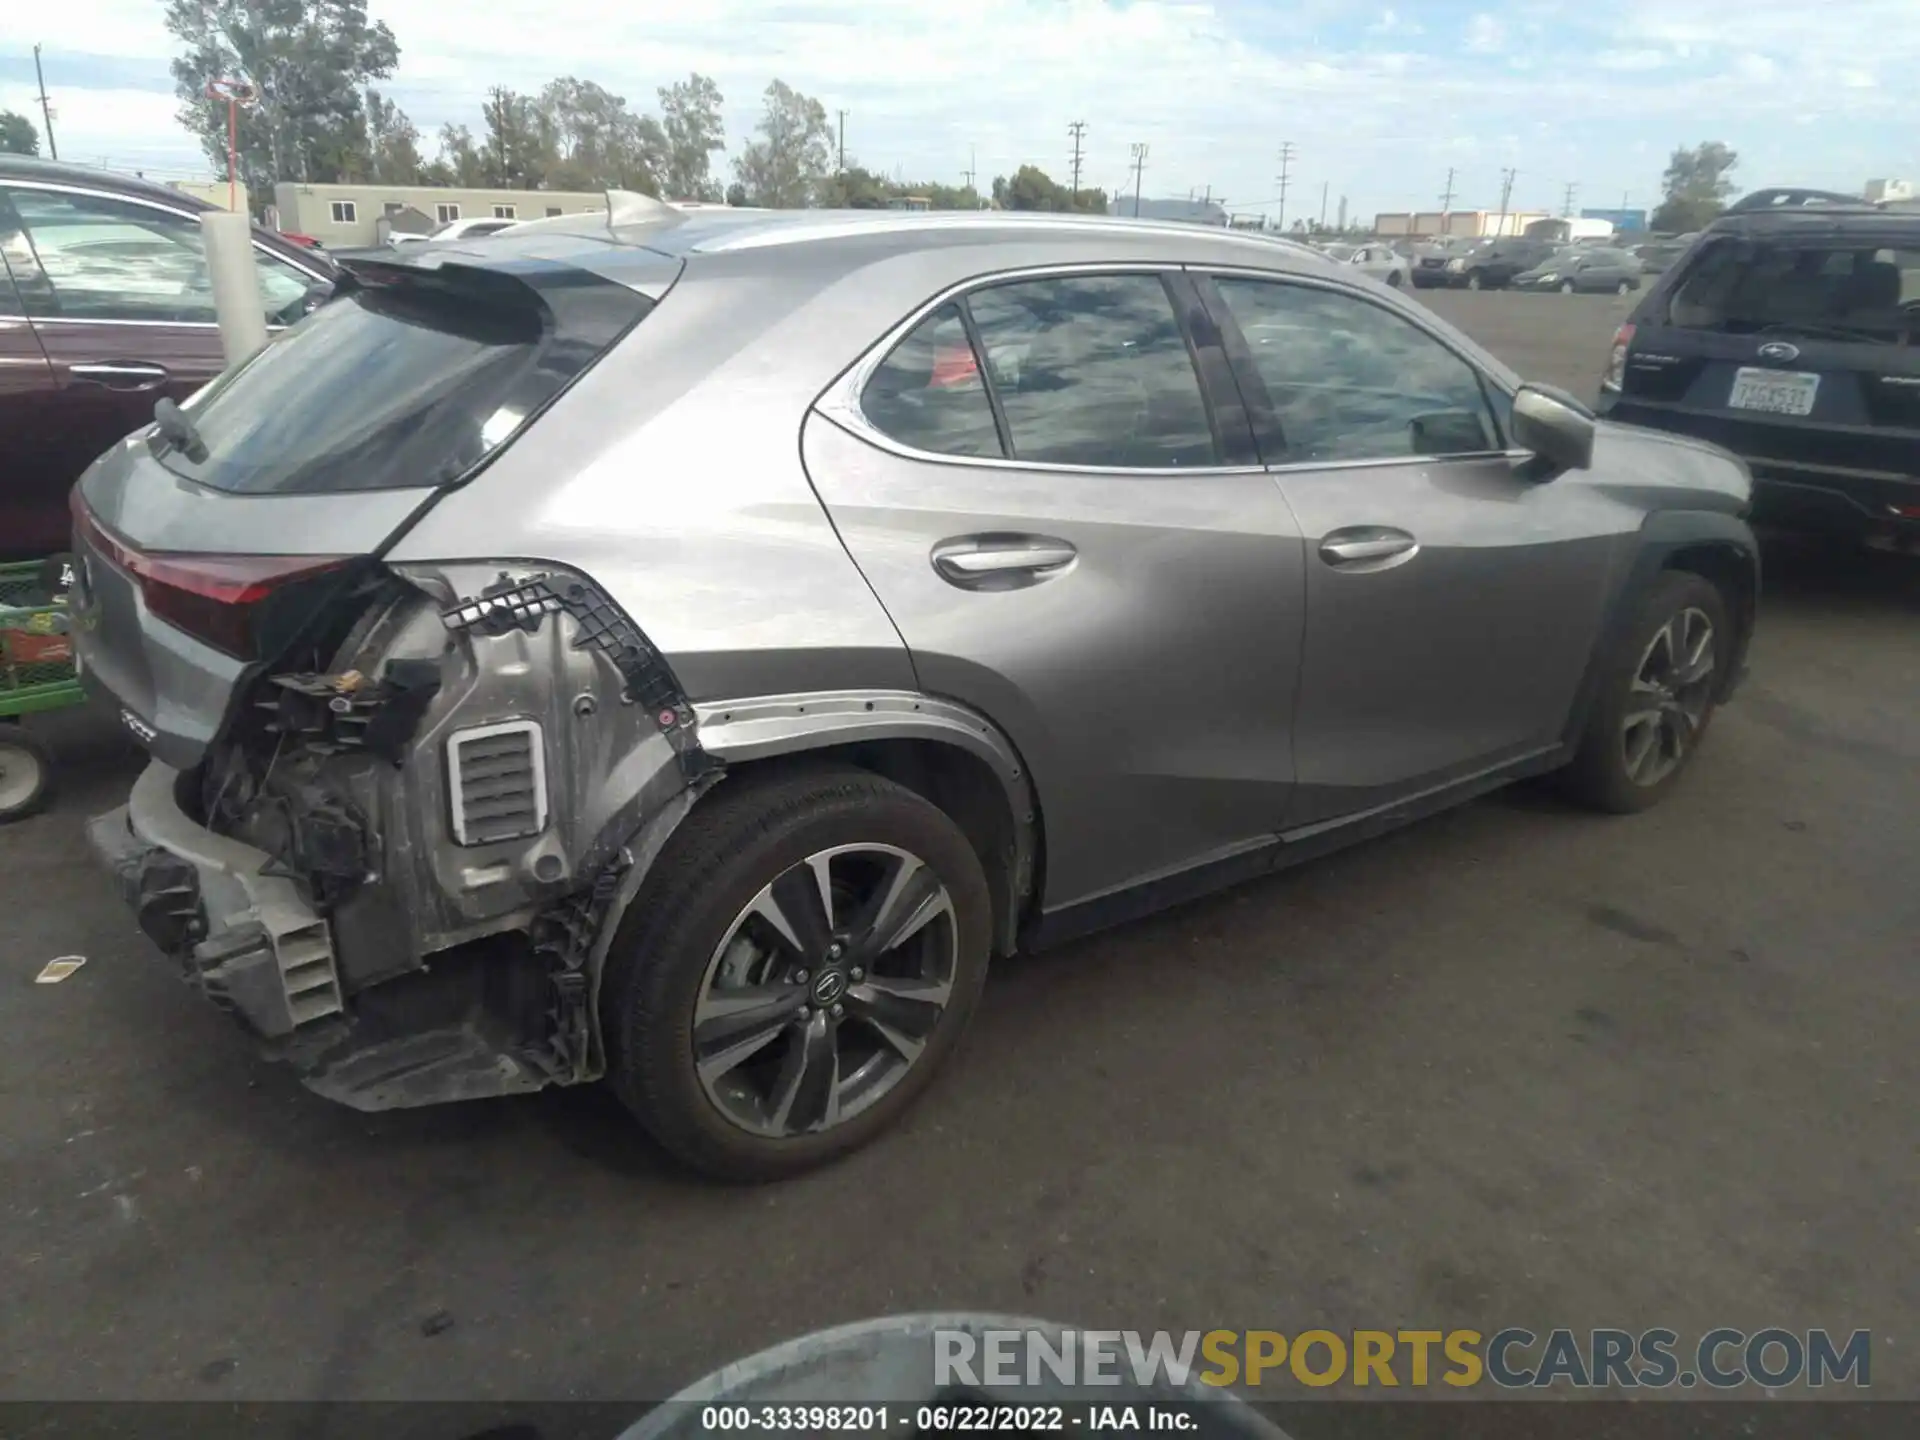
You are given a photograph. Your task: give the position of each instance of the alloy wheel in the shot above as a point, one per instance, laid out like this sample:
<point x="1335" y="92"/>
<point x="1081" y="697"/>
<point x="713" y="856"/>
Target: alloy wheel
<point x="1667" y="703"/>
<point x="825" y="989"/>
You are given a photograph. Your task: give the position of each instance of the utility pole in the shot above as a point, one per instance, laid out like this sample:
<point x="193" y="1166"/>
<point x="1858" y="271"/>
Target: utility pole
<point x="1077" y="130"/>
<point x="1139" y="165"/>
<point x="1566" y="206"/>
<point x="1446" y="200"/>
<point x="843" y="141"/>
<point x="1506" y="193"/>
<point x="46" y="110"/>
<point x="1286" y="173"/>
<point x="1323" y="204"/>
<point x="972" y="156"/>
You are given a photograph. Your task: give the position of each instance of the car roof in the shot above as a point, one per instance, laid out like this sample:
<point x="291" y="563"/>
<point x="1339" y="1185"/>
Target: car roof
<point x="59" y="172"/>
<point x="853" y="238"/>
<point x="1815" y="221"/>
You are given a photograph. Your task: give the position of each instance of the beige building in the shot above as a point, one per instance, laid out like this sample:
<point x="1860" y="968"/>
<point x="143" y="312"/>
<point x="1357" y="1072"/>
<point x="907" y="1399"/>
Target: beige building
<point x="214" y="192"/>
<point x="1469" y="224"/>
<point x="341" y="216"/>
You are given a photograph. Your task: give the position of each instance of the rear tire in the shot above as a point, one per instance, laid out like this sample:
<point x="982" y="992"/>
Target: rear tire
<point x="1655" y="700"/>
<point x="26" y="774"/>
<point x="1393" y="279"/>
<point x="1623" y="287"/>
<point x="748" y="1102"/>
<point x="1566" y="287"/>
<point x="1476" y="282"/>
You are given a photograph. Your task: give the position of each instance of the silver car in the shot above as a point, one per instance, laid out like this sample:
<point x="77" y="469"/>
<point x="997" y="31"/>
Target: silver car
<point x="685" y="652"/>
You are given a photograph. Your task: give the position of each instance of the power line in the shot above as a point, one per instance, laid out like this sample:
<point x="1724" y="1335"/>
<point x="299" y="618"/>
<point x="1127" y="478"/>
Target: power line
<point x="1139" y="166"/>
<point x="46" y="110"/>
<point x="1077" y="129"/>
<point x="1286" y="170"/>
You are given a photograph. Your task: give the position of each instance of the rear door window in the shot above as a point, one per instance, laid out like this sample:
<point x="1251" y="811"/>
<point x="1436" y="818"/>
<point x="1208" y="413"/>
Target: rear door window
<point x="1832" y="287"/>
<point x="88" y="257"/>
<point x="1093" y="370"/>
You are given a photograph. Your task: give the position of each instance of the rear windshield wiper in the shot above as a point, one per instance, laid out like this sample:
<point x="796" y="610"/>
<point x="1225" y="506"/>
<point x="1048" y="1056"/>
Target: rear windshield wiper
<point x="179" y="431"/>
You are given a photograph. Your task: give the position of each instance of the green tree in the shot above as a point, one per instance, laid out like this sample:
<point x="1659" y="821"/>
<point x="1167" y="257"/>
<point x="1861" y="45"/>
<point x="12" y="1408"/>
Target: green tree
<point x="737" y="194"/>
<point x="393" y="144"/>
<point x="595" y="141"/>
<point x="308" y="61"/>
<point x="17" y="135"/>
<point x="1696" y="187"/>
<point x="1031" y="188"/>
<point x="790" y="161"/>
<point x="690" y="113"/>
<point x="458" y="162"/>
<point x="518" y="150"/>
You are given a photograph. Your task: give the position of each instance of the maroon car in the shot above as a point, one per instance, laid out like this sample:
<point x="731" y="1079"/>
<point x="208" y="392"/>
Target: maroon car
<point x="105" y="307"/>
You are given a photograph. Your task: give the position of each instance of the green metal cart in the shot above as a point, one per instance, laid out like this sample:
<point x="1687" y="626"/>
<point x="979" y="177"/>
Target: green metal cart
<point x="36" y="673"/>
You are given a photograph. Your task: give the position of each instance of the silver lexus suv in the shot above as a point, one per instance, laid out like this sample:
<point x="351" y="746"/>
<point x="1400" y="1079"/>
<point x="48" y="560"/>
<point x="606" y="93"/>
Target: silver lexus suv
<point x="683" y="648"/>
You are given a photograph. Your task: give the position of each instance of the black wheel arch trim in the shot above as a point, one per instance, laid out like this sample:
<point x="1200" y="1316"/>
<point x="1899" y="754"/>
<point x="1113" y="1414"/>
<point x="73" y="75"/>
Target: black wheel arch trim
<point x="1667" y="540"/>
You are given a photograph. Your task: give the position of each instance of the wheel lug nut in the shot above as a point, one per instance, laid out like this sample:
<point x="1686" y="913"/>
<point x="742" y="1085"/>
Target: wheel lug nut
<point x="838" y="1011"/>
<point x="800" y="977"/>
<point x="836" y="950"/>
<point x="857" y="973"/>
<point x="806" y="1012"/>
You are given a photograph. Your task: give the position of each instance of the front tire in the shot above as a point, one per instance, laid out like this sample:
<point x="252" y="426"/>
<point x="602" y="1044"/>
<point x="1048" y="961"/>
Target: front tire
<point x="1476" y="282"/>
<point x="1393" y="279"/>
<point x="1658" y="689"/>
<point x="1566" y="287"/>
<point x="801" y="959"/>
<point x="1623" y="287"/>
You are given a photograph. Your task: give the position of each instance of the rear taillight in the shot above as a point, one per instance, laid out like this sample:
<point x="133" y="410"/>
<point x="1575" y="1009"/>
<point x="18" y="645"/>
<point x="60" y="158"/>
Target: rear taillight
<point x="1616" y="375"/>
<point x="214" y="598"/>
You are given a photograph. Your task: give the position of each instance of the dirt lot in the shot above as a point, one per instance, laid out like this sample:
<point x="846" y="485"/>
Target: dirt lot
<point x="1518" y="1065"/>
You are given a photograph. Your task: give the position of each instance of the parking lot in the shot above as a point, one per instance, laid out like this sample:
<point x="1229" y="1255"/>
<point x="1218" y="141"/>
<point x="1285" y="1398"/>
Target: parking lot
<point x="1518" y="1065"/>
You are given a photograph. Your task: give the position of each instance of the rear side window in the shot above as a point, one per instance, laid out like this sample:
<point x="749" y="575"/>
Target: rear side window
<point x="1846" y="288"/>
<point x="88" y="257"/>
<point x="407" y="383"/>
<point x="929" y="393"/>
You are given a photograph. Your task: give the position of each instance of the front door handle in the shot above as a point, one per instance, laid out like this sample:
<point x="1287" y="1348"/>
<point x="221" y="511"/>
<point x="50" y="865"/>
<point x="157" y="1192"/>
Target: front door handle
<point x="121" y="374"/>
<point x="1367" y="548"/>
<point x="1001" y="562"/>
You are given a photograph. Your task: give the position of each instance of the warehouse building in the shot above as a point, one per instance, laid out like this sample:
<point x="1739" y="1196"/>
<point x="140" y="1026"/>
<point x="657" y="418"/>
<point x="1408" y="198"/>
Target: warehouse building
<point x="343" y="216"/>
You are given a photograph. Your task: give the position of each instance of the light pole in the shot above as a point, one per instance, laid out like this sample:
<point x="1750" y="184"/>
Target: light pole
<point x="236" y="93"/>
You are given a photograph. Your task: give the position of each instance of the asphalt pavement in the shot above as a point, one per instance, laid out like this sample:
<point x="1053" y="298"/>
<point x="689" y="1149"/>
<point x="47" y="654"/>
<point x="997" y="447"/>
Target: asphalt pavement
<point x="1518" y="1065"/>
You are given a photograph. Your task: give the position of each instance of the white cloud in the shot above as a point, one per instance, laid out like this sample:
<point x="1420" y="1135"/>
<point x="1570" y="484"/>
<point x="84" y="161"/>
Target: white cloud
<point x="1757" y="68"/>
<point x="1642" y="59"/>
<point x="1485" y="34"/>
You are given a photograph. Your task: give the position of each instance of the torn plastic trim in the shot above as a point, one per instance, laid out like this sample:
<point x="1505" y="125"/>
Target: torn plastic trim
<point x="600" y="625"/>
<point x="761" y="726"/>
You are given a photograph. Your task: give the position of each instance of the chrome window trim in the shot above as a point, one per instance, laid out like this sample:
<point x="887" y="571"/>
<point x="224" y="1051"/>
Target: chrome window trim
<point x="840" y="402"/>
<point x="66" y="187"/>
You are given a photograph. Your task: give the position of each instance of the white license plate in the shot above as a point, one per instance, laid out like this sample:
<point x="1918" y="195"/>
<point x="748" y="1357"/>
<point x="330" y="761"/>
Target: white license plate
<point x="1778" y="392"/>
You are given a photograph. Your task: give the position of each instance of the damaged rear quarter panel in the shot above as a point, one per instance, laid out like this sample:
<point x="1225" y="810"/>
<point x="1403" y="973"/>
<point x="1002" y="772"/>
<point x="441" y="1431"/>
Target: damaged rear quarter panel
<point x="609" y="763"/>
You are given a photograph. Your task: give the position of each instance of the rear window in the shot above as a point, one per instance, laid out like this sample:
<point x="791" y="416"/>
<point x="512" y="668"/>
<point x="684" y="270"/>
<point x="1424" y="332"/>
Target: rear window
<point x="407" y="383"/>
<point x="1847" y="289"/>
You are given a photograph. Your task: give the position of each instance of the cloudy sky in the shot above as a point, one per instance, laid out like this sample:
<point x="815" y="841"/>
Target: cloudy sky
<point x="1378" y="101"/>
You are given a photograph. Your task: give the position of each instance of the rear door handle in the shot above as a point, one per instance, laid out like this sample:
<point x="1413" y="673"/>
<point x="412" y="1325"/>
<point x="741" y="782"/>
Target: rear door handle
<point x="121" y="374"/>
<point x="1366" y="548"/>
<point x="1001" y="562"/>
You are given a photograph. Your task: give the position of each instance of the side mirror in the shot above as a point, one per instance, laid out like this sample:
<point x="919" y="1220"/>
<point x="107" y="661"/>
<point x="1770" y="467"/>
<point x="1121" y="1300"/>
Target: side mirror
<point x="1554" y="426"/>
